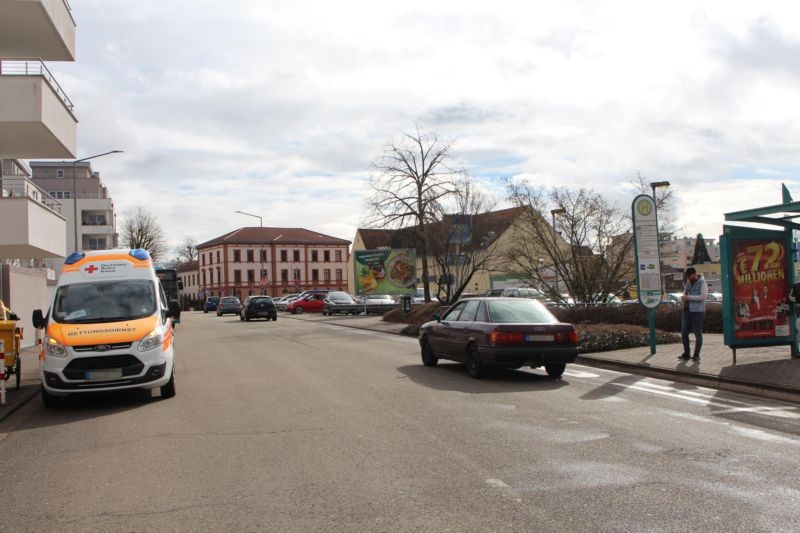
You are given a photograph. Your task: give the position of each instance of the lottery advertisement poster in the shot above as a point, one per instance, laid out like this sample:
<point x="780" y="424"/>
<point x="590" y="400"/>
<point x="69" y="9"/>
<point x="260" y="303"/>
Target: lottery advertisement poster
<point x="760" y="288"/>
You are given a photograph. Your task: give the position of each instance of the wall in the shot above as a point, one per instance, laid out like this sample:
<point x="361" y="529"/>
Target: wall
<point x="23" y="290"/>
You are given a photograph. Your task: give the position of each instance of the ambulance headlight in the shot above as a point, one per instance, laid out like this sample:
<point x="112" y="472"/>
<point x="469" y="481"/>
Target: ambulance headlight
<point x="53" y="348"/>
<point x="151" y="340"/>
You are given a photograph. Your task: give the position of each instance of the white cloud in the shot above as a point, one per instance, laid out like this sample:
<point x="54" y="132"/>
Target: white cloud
<point x="279" y="108"/>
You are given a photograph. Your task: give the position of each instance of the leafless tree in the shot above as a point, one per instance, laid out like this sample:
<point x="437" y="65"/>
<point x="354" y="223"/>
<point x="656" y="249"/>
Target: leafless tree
<point x="186" y="251"/>
<point x="461" y="243"/>
<point x="414" y="176"/>
<point x="140" y="229"/>
<point x="581" y="250"/>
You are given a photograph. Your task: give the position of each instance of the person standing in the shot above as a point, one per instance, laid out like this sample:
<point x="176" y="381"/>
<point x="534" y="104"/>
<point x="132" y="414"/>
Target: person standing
<point x="695" y="292"/>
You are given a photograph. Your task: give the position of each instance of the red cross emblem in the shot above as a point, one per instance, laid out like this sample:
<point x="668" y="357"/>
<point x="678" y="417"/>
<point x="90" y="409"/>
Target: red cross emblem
<point x="90" y="269"/>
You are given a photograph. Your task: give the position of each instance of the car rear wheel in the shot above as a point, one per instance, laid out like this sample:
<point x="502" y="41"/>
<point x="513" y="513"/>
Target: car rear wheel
<point x="474" y="364"/>
<point x="298" y="310"/>
<point x="554" y="370"/>
<point x="428" y="359"/>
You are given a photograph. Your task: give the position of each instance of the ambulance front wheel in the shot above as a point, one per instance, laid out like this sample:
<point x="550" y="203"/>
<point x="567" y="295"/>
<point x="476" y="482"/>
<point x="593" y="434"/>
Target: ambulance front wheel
<point x="50" y="400"/>
<point x="168" y="390"/>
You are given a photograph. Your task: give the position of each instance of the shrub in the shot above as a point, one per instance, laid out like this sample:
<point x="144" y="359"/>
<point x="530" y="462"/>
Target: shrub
<point x="668" y="317"/>
<point x="606" y="337"/>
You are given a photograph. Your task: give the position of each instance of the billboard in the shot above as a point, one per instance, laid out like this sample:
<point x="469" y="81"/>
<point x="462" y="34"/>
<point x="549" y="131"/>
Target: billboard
<point x="757" y="273"/>
<point x="385" y="271"/>
<point x="760" y="282"/>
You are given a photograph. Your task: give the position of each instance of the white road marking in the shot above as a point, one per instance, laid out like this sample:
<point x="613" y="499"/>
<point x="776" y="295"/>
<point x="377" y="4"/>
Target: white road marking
<point x="579" y="374"/>
<point x="500" y="484"/>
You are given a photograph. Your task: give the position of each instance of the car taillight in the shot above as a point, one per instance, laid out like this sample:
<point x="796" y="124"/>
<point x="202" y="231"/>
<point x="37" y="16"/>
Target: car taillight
<point x="567" y="337"/>
<point x="502" y="337"/>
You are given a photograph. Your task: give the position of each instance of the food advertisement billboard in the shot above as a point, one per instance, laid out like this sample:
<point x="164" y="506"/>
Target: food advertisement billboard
<point x="385" y="271"/>
<point x="760" y="283"/>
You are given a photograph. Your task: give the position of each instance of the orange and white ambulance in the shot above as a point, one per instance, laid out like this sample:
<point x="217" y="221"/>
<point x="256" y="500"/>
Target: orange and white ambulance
<point x="108" y="328"/>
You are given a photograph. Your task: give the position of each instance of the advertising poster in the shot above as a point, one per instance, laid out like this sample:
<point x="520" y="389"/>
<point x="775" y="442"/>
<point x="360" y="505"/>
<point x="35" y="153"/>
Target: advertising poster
<point x="760" y="289"/>
<point x="385" y="271"/>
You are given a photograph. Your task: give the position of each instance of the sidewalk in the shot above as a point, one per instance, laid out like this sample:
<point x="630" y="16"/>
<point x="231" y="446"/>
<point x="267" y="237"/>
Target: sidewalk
<point x="29" y="384"/>
<point x="768" y="372"/>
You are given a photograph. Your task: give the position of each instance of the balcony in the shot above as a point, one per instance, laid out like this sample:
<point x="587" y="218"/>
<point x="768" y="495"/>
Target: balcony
<point x="36" y="116"/>
<point x="37" y="28"/>
<point x="31" y="221"/>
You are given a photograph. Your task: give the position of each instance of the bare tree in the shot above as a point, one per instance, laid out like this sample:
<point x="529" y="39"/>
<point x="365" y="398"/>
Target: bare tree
<point x="140" y="229"/>
<point x="581" y="250"/>
<point x="186" y="251"/>
<point x="461" y="244"/>
<point x="414" y="176"/>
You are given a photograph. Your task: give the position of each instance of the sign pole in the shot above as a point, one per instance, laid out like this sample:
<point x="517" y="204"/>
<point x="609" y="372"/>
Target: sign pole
<point x="648" y="262"/>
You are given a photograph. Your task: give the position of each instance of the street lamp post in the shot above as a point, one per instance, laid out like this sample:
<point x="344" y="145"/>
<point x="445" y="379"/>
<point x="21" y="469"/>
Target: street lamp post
<point x="651" y="312"/>
<point x="261" y="252"/>
<point x="75" y="192"/>
<point x="554" y="212"/>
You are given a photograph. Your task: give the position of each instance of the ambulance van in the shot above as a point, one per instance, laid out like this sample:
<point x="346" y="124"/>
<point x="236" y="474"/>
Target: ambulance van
<point x="109" y="327"/>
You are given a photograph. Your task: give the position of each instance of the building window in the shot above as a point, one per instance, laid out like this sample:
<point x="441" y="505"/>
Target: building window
<point x="211" y="276"/>
<point x="326" y="275"/>
<point x="326" y="256"/>
<point x="237" y="256"/>
<point x="314" y="256"/>
<point x="338" y="275"/>
<point x="263" y="255"/>
<point x="95" y="220"/>
<point x="296" y="255"/>
<point x="97" y="244"/>
<point x="237" y="276"/>
<point x="314" y="275"/>
<point x="284" y="256"/>
<point x="338" y="255"/>
<point x="284" y="275"/>
<point x="251" y="276"/>
<point x="59" y="173"/>
<point x="218" y="258"/>
<point x="249" y="256"/>
<point x="204" y="277"/>
<point x="296" y="274"/>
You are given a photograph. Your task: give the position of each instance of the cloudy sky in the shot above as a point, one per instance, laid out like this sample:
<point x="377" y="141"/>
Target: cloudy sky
<point x="279" y="108"/>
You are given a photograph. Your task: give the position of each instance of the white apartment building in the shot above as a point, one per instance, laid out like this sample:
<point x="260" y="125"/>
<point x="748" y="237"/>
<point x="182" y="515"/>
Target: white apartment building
<point x="678" y="252"/>
<point x="37" y="120"/>
<point x="87" y="205"/>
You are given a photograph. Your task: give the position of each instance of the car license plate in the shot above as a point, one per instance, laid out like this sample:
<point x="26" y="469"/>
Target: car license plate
<point x="540" y="338"/>
<point x="101" y="375"/>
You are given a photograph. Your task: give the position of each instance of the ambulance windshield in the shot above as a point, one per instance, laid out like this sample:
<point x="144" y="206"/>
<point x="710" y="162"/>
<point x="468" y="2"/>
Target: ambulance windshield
<point x="107" y="301"/>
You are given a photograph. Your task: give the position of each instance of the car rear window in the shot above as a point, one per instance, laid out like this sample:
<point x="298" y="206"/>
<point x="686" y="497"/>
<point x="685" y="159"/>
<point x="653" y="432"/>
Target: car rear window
<point x="520" y="311"/>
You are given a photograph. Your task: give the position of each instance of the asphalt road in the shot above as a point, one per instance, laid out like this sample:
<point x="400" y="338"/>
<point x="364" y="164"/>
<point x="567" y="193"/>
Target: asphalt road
<point x="298" y="425"/>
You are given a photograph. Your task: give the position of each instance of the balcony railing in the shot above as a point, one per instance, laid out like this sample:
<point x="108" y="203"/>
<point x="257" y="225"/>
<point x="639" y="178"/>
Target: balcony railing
<point x="34" y="67"/>
<point x="18" y="187"/>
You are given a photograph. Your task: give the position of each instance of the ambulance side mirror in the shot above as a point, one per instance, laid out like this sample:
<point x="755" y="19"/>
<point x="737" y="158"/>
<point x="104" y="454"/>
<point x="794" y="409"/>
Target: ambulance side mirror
<point x="38" y="319"/>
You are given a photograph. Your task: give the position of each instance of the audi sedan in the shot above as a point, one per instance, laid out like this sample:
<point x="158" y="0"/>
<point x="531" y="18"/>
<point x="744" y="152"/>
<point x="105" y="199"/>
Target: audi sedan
<point x="505" y="332"/>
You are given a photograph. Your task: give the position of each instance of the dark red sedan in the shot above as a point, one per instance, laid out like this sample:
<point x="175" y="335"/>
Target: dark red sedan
<point x="507" y="332"/>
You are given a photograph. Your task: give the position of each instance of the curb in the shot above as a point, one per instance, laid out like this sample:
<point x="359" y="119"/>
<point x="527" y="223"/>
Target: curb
<point x="773" y="392"/>
<point x="27" y="396"/>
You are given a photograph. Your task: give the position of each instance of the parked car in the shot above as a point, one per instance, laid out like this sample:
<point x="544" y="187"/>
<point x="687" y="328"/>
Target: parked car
<point x="229" y="305"/>
<point x="258" y="307"/>
<point x="522" y="292"/>
<point x="311" y="302"/>
<point x="284" y="300"/>
<point x="211" y="304"/>
<point x="507" y="332"/>
<point x="338" y="299"/>
<point x="494" y="292"/>
<point x="379" y="299"/>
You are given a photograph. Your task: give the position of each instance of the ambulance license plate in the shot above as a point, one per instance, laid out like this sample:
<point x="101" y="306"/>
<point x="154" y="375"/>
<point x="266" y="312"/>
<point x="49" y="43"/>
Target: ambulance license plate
<point x="102" y="375"/>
